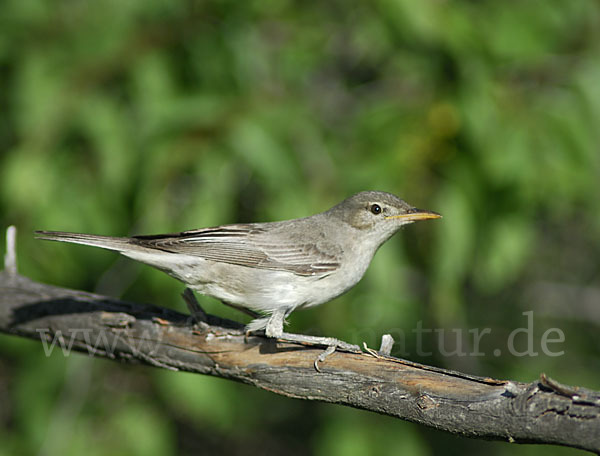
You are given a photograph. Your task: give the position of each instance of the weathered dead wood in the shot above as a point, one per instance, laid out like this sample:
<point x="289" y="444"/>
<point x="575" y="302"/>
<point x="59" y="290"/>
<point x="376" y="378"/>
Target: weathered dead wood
<point x="542" y="411"/>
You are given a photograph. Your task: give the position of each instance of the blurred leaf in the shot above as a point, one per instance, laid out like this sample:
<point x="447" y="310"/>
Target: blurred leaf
<point x="154" y="116"/>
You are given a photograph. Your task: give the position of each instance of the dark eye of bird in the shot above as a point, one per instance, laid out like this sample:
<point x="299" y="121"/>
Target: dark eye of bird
<point x="376" y="209"/>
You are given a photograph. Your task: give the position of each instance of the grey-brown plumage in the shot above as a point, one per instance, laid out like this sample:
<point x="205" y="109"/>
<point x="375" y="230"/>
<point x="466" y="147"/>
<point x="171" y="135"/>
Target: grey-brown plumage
<point x="272" y="268"/>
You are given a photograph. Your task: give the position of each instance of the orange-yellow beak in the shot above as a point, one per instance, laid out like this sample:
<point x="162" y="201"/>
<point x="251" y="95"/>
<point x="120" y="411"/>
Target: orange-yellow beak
<point x="416" y="214"/>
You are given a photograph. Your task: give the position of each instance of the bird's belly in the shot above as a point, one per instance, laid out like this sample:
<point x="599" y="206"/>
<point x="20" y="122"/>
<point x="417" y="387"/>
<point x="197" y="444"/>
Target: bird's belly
<point x="265" y="290"/>
<point x="271" y="290"/>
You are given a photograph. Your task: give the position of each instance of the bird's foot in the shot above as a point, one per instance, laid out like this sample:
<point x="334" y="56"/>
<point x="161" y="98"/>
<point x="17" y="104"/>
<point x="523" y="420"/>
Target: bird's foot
<point x="332" y="344"/>
<point x="274" y="330"/>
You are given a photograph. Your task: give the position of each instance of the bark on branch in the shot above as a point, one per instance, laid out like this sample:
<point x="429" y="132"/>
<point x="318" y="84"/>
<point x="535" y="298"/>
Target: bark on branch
<point x="542" y="411"/>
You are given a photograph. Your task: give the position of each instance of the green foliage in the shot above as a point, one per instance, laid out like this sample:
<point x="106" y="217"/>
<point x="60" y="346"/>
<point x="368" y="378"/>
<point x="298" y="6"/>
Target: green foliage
<point x="154" y="116"/>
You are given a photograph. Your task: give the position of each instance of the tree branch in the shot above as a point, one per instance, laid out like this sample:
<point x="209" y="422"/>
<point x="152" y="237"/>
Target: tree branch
<point x="542" y="411"/>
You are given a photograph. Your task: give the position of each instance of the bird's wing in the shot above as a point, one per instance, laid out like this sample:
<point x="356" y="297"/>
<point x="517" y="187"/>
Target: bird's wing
<point x="250" y="245"/>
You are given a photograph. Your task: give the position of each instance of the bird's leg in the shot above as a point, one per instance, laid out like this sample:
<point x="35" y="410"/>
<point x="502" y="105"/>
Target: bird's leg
<point x="196" y="312"/>
<point x="274" y="326"/>
<point x="274" y="329"/>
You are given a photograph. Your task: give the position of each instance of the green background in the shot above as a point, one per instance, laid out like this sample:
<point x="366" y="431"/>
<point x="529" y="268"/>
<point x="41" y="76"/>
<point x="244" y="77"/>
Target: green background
<point x="148" y="116"/>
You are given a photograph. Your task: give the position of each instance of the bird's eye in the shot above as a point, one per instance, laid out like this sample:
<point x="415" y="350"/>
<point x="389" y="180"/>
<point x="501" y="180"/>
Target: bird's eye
<point x="376" y="209"/>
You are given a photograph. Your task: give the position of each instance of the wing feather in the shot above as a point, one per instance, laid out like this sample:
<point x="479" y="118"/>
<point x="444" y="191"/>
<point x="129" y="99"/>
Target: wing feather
<point x="251" y="245"/>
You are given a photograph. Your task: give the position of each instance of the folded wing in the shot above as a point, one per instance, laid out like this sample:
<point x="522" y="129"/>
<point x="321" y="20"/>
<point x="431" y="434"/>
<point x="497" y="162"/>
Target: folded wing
<point x="250" y="245"/>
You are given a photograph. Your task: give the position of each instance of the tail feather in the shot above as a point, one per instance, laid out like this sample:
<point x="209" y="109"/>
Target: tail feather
<point x="105" y="242"/>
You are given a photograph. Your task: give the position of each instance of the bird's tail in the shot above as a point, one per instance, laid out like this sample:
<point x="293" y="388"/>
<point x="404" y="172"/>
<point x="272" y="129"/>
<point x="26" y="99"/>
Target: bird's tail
<point x="106" y="242"/>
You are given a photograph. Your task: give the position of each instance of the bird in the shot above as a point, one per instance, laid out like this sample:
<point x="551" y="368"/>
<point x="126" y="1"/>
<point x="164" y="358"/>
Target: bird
<point x="271" y="269"/>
